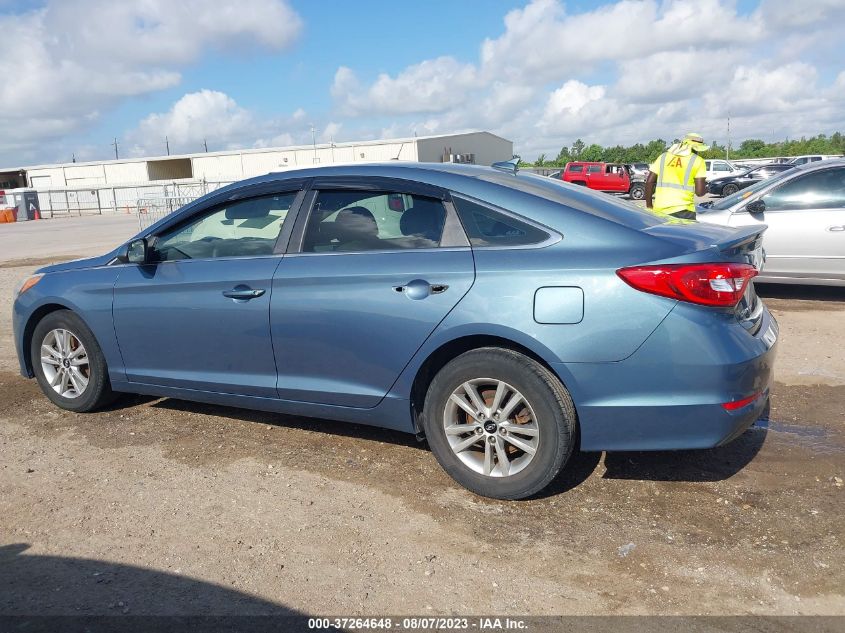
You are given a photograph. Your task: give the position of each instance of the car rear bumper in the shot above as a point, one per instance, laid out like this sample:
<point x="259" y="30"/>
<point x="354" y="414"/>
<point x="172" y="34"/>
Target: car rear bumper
<point x="670" y="393"/>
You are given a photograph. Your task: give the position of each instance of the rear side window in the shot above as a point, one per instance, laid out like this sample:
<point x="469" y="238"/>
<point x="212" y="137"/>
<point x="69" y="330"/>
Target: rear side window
<point x="486" y="227"/>
<point x="576" y="169"/>
<point x="350" y="221"/>
<point x="594" y="169"/>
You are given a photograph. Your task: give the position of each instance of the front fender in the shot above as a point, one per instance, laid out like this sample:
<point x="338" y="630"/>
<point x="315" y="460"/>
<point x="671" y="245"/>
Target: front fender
<point x="88" y="293"/>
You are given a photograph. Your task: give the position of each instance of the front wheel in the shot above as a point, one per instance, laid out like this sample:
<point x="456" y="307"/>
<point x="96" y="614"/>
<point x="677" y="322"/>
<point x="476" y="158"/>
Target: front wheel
<point x="637" y="192"/>
<point x="68" y="363"/>
<point x="729" y="190"/>
<point x="499" y="423"/>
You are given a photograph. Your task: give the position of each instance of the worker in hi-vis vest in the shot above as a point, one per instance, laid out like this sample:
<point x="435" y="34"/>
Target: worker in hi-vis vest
<point x="676" y="177"/>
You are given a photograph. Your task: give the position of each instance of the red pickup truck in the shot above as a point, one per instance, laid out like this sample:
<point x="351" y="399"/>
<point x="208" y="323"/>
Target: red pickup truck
<point x="607" y="177"/>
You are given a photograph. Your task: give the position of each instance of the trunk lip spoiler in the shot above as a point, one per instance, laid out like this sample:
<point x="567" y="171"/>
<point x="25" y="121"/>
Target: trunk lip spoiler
<point x="742" y="236"/>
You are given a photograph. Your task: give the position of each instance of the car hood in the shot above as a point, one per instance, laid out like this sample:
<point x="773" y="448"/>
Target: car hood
<point x="77" y="264"/>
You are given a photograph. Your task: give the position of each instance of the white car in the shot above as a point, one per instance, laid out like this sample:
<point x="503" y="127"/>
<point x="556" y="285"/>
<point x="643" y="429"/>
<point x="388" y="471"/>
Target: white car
<point x="804" y="209"/>
<point x="811" y="158"/>
<point x="717" y="168"/>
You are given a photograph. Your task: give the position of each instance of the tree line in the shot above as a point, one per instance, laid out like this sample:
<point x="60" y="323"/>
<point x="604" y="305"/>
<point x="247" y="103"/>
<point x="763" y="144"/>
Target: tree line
<point x="646" y="153"/>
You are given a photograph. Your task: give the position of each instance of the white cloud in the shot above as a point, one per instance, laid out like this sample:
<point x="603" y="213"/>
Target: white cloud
<point x="215" y="117"/>
<point x="67" y="62"/>
<point x="543" y="42"/>
<point x="195" y="117"/>
<point x="431" y="86"/>
<point x="624" y="72"/>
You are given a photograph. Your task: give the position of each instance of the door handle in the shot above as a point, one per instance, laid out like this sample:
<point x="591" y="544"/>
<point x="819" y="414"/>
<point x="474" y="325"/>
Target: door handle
<point x="836" y="229"/>
<point x="243" y="293"/>
<point x="420" y="289"/>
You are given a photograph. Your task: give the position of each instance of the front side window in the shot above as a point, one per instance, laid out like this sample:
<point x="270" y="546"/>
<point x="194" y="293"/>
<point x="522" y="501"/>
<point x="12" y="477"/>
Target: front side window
<point x="823" y="189"/>
<point x="350" y="221"/>
<point x="245" y="228"/>
<point x="486" y="227"/>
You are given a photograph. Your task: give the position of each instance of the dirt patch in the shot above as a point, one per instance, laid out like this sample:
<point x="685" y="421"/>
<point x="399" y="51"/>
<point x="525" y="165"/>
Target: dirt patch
<point x="749" y="527"/>
<point x="37" y="261"/>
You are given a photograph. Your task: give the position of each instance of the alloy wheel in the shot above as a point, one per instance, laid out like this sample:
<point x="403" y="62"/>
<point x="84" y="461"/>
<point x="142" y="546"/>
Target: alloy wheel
<point x="491" y="427"/>
<point x="64" y="362"/>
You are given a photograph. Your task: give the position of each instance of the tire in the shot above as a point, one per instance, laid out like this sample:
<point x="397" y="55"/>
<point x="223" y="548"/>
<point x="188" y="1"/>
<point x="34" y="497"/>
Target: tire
<point x="89" y="363"/>
<point x="546" y="414"/>
<point x="637" y="192"/>
<point x="729" y="190"/>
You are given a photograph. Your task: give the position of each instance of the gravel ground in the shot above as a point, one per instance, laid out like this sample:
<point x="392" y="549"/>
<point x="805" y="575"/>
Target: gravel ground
<point x="159" y="506"/>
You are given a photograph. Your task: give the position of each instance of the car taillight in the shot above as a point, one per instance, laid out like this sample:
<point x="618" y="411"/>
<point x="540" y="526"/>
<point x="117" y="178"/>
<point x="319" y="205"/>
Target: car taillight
<point x="717" y="284"/>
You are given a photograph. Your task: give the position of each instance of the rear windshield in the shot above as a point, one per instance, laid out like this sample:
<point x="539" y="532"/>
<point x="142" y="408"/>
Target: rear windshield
<point x="599" y="204"/>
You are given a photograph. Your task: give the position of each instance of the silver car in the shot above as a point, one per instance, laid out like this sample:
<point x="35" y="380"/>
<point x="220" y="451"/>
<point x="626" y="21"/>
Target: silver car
<point x="804" y="209"/>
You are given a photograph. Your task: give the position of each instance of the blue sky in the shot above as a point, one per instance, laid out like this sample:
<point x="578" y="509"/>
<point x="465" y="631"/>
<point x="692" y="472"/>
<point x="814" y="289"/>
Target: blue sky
<point x="540" y="72"/>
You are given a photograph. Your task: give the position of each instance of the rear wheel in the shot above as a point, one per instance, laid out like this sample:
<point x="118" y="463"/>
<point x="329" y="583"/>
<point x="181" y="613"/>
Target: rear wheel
<point x="68" y="363"/>
<point x="637" y="191"/>
<point x="729" y="190"/>
<point x="499" y="423"/>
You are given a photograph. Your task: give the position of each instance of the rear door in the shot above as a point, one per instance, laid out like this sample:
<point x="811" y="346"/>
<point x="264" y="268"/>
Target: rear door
<point x="373" y="268"/>
<point x="595" y="176"/>
<point x="197" y="316"/>
<point x="806" y="219"/>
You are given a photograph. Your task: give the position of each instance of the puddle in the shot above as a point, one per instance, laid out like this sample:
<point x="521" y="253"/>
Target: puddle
<point x="812" y="437"/>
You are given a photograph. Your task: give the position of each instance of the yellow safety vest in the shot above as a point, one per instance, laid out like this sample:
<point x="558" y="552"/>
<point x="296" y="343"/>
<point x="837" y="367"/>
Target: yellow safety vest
<point x="675" y="188"/>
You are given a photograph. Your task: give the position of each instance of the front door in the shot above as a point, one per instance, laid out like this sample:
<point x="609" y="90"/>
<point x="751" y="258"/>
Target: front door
<point x="197" y="316"/>
<point x="806" y="220"/>
<point x="376" y="273"/>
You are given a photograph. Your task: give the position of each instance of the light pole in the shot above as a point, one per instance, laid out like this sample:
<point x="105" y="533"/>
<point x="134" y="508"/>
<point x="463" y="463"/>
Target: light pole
<point x="314" y="142"/>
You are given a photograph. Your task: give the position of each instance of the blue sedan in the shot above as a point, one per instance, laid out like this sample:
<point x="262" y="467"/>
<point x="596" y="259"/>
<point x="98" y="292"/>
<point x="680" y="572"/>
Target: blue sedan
<point x="507" y="318"/>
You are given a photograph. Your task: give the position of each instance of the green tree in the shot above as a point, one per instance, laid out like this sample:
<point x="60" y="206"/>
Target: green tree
<point x="563" y="157"/>
<point x="578" y="147"/>
<point x="541" y="160"/>
<point x="593" y="152"/>
<point x="752" y="147"/>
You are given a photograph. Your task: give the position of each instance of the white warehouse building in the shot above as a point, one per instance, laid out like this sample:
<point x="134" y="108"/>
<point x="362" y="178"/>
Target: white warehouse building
<point x="481" y="148"/>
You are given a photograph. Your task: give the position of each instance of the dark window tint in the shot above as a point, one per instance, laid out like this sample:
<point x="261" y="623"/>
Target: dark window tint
<point x="247" y="228"/>
<point x="486" y="227"/>
<point x="576" y="169"/>
<point x="594" y="169"/>
<point x="348" y="221"/>
<point x="823" y="189"/>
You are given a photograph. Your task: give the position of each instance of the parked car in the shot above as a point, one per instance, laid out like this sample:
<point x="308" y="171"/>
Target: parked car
<point x="717" y="168"/>
<point x="804" y="209"/>
<point x="728" y="185"/>
<point x="478" y="309"/>
<point x="812" y="158"/>
<point x="607" y="177"/>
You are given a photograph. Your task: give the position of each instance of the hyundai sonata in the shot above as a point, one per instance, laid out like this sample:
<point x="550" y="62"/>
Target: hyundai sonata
<point x="507" y="318"/>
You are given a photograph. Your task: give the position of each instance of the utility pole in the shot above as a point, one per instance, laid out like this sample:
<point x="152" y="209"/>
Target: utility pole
<point x="167" y="145"/>
<point x="728" y="148"/>
<point x="73" y="157"/>
<point x="314" y="142"/>
<point x="116" y="157"/>
<point x="205" y="145"/>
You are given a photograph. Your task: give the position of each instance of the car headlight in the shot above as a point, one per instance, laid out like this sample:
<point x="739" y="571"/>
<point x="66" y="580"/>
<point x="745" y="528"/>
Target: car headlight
<point x="28" y="283"/>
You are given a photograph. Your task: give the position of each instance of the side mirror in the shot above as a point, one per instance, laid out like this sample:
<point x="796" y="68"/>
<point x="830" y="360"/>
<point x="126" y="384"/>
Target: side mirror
<point x="134" y="253"/>
<point x="755" y="207"/>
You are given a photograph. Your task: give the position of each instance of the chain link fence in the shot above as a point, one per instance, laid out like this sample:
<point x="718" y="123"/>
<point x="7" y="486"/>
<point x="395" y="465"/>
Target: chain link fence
<point x="120" y="199"/>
